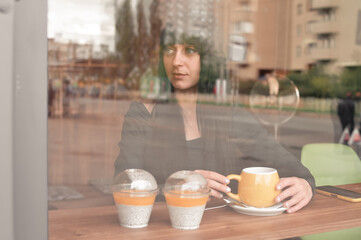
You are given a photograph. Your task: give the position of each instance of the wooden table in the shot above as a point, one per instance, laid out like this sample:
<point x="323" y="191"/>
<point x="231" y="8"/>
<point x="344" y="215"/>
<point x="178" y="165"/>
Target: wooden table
<point x="323" y="214"/>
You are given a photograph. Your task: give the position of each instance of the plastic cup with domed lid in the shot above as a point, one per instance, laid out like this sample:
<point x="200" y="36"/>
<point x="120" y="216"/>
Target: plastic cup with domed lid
<point x="134" y="192"/>
<point x="186" y="194"/>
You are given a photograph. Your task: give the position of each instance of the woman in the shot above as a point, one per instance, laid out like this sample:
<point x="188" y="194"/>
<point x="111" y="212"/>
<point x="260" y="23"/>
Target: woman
<point x="163" y="139"/>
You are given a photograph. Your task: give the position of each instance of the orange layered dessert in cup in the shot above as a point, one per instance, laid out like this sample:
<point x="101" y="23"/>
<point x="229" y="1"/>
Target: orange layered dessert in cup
<point x="186" y="194"/>
<point x="134" y="192"/>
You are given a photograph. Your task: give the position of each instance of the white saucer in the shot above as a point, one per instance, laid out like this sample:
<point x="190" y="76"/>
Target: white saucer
<point x="268" y="211"/>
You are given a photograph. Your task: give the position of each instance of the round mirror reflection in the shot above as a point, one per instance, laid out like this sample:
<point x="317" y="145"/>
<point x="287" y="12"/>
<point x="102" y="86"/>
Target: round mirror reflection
<point x="274" y="100"/>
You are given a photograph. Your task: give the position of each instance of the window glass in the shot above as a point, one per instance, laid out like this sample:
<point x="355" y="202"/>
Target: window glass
<point x="299" y="30"/>
<point x="298" y="51"/>
<point x="123" y="75"/>
<point x="299" y="9"/>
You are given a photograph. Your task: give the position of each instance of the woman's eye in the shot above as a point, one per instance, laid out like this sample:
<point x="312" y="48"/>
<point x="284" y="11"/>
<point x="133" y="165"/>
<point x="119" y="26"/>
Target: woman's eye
<point x="190" y="50"/>
<point x="169" y="51"/>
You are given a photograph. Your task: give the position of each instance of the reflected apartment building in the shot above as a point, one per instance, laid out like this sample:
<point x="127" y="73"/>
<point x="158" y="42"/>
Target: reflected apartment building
<point x="295" y="35"/>
<point x="253" y="37"/>
<point x="193" y="17"/>
<point x="337" y="32"/>
<point x="326" y="32"/>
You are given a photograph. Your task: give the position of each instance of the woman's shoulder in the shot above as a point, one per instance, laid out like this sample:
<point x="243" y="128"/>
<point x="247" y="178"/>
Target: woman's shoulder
<point x="140" y="110"/>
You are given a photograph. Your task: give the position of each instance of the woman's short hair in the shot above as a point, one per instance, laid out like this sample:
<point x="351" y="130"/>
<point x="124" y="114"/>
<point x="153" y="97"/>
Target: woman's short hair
<point x="201" y="45"/>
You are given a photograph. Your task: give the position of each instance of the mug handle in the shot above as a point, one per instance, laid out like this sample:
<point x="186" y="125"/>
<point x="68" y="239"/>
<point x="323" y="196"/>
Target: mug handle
<point x="238" y="178"/>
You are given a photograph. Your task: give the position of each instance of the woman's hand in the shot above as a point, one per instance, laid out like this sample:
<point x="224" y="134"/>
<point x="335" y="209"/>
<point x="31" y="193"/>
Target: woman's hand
<point x="299" y="191"/>
<point x="216" y="182"/>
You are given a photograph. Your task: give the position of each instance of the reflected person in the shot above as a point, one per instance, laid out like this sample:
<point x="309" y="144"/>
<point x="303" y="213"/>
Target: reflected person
<point x="215" y="141"/>
<point x="346" y="114"/>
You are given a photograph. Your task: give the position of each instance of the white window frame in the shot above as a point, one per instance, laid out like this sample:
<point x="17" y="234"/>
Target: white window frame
<point x="23" y="166"/>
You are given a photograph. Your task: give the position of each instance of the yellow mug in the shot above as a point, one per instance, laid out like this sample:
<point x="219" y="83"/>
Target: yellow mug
<point x="256" y="186"/>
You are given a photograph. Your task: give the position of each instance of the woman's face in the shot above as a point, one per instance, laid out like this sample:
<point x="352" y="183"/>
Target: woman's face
<point x="182" y="65"/>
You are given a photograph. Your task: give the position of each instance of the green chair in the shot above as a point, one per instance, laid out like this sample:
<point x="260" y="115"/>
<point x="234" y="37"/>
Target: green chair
<point x="332" y="164"/>
<point x="345" y="234"/>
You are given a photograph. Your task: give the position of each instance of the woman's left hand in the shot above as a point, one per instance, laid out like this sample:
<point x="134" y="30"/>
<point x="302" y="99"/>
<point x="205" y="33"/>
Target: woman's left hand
<point x="297" y="189"/>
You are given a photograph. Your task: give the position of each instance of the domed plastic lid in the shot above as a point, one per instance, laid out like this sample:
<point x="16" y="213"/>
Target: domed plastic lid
<point x="186" y="183"/>
<point x="134" y="180"/>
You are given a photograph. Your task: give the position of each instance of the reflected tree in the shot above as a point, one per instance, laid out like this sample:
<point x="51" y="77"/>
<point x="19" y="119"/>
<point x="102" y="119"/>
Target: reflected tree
<point x="125" y="36"/>
<point x="137" y="47"/>
<point x="351" y="80"/>
<point x="155" y="29"/>
<point x="316" y="83"/>
<point x="142" y="39"/>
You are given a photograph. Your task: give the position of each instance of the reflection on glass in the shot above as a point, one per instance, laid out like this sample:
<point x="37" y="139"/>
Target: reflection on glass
<point x="103" y="55"/>
<point x="274" y="100"/>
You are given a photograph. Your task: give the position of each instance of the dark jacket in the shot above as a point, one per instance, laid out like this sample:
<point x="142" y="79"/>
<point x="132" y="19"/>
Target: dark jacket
<point x="231" y="140"/>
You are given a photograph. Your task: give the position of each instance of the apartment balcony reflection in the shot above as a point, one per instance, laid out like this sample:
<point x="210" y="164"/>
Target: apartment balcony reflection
<point x="319" y="4"/>
<point x="309" y="59"/>
<point x="324" y="54"/>
<point x="325" y="27"/>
